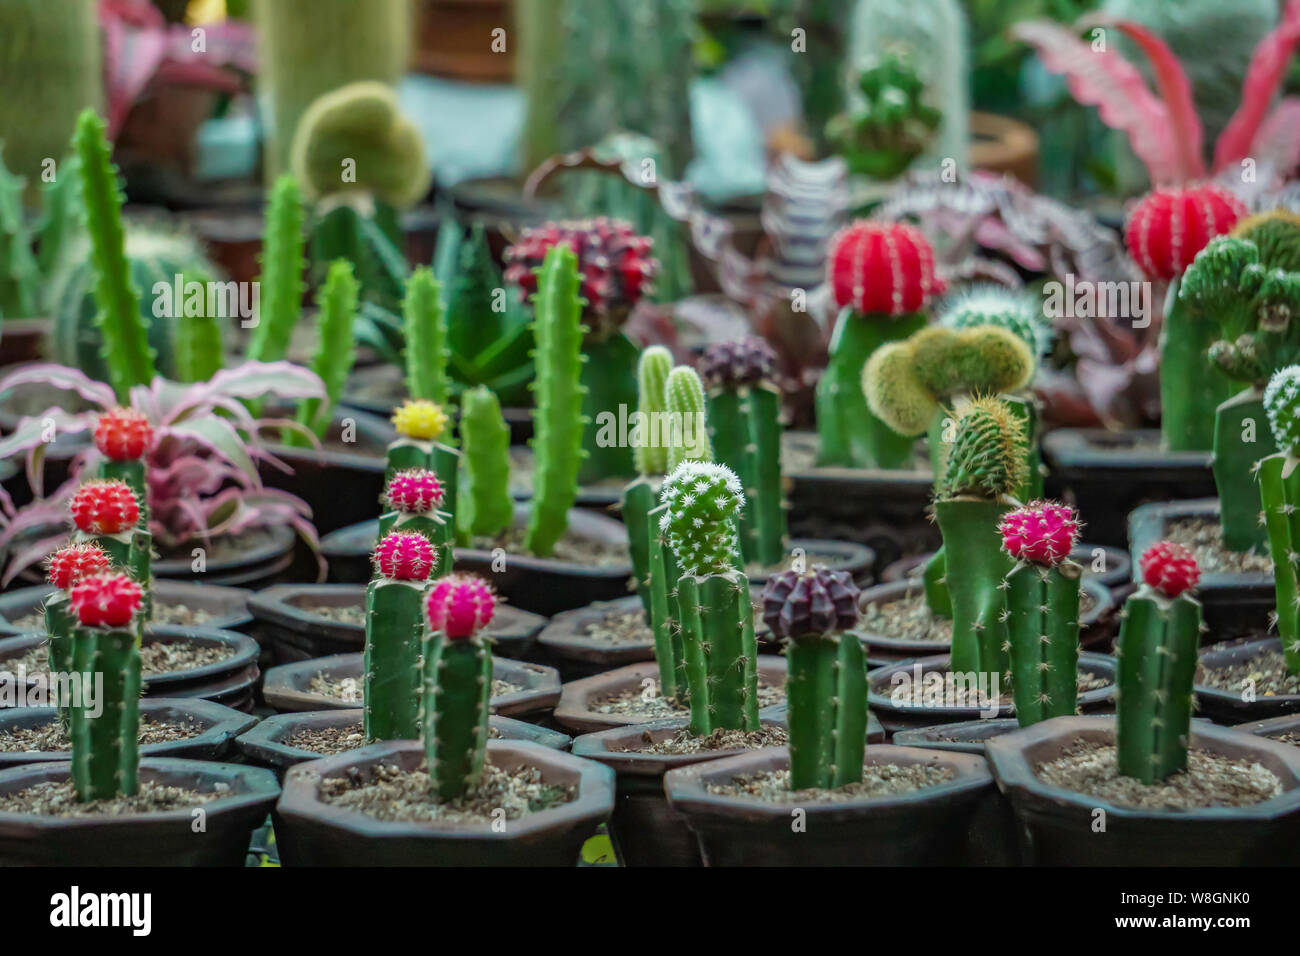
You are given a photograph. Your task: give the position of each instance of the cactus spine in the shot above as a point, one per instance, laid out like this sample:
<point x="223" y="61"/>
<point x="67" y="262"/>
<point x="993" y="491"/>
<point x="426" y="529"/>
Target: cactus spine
<point x="558" y="419"/>
<point x="651" y="458"/>
<point x="1279" y="491"/>
<point x="484" y="505"/>
<point x="281" y="279"/>
<point x="425" y="324"/>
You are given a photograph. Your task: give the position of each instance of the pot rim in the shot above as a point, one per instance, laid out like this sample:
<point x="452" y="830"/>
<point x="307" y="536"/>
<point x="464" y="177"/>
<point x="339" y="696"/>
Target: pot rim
<point x="33" y="598"/>
<point x="1155" y="514"/>
<point x="1077" y="448"/>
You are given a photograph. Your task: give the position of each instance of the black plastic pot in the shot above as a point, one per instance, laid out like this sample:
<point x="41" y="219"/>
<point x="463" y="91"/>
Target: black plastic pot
<point x="219" y="726"/>
<point x="1107" y="474"/>
<point x="923" y="828"/>
<point x="1233" y="605"/>
<point x="899" y="716"/>
<point x="312" y="833"/>
<point x="564" y="644"/>
<point x="1061" y="827"/>
<point x="1272" y="728"/>
<point x="230" y="681"/>
<point x="542" y="585"/>
<point x="1230" y="706"/>
<point x="147" y="839"/>
<point x="287" y="687"/>
<point x="256" y="565"/>
<point x="285" y="623"/>
<point x="265" y="745"/>
<point x="228" y="606"/>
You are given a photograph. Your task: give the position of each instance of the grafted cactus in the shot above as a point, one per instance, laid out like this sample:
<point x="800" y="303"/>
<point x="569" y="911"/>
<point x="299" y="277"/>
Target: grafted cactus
<point x="403" y="562"/>
<point x="107" y="514"/>
<point x="413" y="500"/>
<point x="420" y="425"/>
<point x="66" y="567"/>
<point x="1279" y="489"/>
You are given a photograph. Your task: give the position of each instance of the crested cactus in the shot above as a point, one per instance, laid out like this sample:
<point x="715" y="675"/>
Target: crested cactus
<point x="813" y="614"/>
<point x="105" y="745"/>
<point x="425" y="325"/>
<point x="403" y="561"/>
<point x="413" y="501"/>
<point x="420" y="424"/>
<point x="745" y="427"/>
<point x="484" y="506"/>
<point x="1157" y="648"/>
<point x="688" y="438"/>
<point x="1042" y="596"/>
<point x="457" y="683"/>
<point x="281" y="281"/>
<point x="67" y="566"/>
<point x="1279" y="490"/>
<point x="651" y="458"/>
<point x="335" y="346"/>
<point x="892" y="123"/>
<point x="717" y="618"/>
<point x="559" y="423"/>
<point x="882" y="278"/>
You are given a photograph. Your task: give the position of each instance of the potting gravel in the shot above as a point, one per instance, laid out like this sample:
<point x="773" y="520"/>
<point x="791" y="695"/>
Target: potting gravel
<point x="59" y="799"/>
<point x="878" y="780"/>
<point x="571" y="547"/>
<point x="963" y="695"/>
<point x="909" y="619"/>
<point x="1204" y="538"/>
<point x="159" y="657"/>
<point x="175" y="615"/>
<point x="619" y="627"/>
<point x="349" y="689"/>
<point x="336" y="740"/>
<point x="1266" y="672"/>
<point x="339" y="614"/>
<point x="684" y="742"/>
<point x="51" y="737"/>
<point x="648" y="702"/>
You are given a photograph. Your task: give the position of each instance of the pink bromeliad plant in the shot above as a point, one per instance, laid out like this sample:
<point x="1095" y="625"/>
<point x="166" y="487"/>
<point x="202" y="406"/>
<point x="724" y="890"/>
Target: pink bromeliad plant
<point x="201" y="464"/>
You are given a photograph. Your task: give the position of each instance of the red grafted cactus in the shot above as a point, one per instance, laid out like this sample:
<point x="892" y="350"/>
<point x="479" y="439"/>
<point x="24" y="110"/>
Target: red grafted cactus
<point x="459" y="606"/>
<point x="106" y="600"/>
<point x="105" y="506"/>
<point x="885" y="268"/>
<point x="123" y="434"/>
<point x="405" y="556"/>
<point x="1170" y="568"/>
<point x="414" y="491"/>
<point x="1041" y="533"/>
<point x="743" y="362"/>
<point x="70" y="564"/>
<point x="820" y="601"/>
<point x="1168" y="227"/>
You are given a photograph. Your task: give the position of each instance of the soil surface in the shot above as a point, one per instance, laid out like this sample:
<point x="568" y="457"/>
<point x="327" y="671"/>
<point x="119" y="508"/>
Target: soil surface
<point x="59" y="799"/>
<point x="883" y="780"/>
<point x="683" y="742"/>
<point x="339" y="614"/>
<point x="51" y="737"/>
<point x="1204" y="538"/>
<point x="648" y="702"/>
<point x="176" y="615"/>
<point x="909" y="619"/>
<point x="618" y="628"/>
<point x="1210" y="780"/>
<point x="593" y="553"/>
<point x="1267" y="672"/>
<point x="157" y="658"/>
<point x="386" y="792"/>
<point x="349" y="689"/>
<point x="336" y="740"/>
<point x="963" y="695"/>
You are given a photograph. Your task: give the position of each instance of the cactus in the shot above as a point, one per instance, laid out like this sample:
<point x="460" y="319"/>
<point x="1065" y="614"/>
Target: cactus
<point x="1010" y="309"/>
<point x="717" y="618"/>
<point x="1042" y="595"/>
<point x="20" y="276"/>
<point x="281" y="281"/>
<point x="413" y="500"/>
<point x="688" y="438"/>
<point x="881" y="277"/>
<point x="123" y="436"/>
<point x="457" y="683"/>
<point x="335" y="347"/>
<point x="106" y="513"/>
<point x="198" y="351"/>
<point x="745" y="428"/>
<point x="1276" y="234"/>
<point x="105" y="748"/>
<point x="425" y="325"/>
<point x="1279" y="490"/>
<point x="66" y="567"/>
<point x="558" y="420"/>
<point x="891" y="125"/>
<point x="485" y="507"/>
<point x="403" y="561"/>
<point x="813" y="614"/>
<point x="1158" y="640"/>
<point x="651" y="458"/>
<point x="420" y="423"/>
<point x="1164" y="232"/>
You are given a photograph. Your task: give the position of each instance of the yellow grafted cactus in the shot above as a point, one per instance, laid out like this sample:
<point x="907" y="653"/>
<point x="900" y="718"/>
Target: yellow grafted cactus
<point x="984" y="358"/>
<point x="894" y="393"/>
<point x="420" y="419"/>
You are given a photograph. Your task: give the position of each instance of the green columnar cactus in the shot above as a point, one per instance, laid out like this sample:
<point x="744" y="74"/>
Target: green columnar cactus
<point x="745" y="427"/>
<point x="717" y="618"/>
<point x="425" y="325"/>
<point x="1158" y="640"/>
<point x="664" y="613"/>
<point x="199" y="353"/>
<point x="67" y="567"/>
<point x="126" y="346"/>
<point x="484" y="505"/>
<point x="281" y="282"/>
<point x="335" y="347"/>
<point x="457" y="683"/>
<point x="687" y="418"/>
<point x="1042" y="595"/>
<point x="419" y="424"/>
<point x="20" y="277"/>
<point x="891" y="125"/>
<point x="1279" y="490"/>
<point x="403" y="563"/>
<point x="651" y="458"/>
<point x="558" y="419"/>
<point x="813" y="614"/>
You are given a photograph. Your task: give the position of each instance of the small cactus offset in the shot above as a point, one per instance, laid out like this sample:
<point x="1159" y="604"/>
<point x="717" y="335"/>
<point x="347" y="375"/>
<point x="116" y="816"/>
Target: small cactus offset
<point x="1042" y="596"/>
<point x="105" y="742"/>
<point x="457" y="683"/>
<point x="1279" y="490"/>
<point x="282" y="273"/>
<point x="882" y="278"/>
<point x="425" y="327"/>
<point x="719" y="650"/>
<point x="745" y="427"/>
<point x="688" y="438"/>
<point x="335" y="347"/>
<point x="813" y="613"/>
<point x="485" y="507"/>
<point x="650" y="455"/>
<point x="403" y="562"/>
<point x="413" y="499"/>
<point x="1157" y="653"/>
<point x="420" y="423"/>
<point x="67" y="566"/>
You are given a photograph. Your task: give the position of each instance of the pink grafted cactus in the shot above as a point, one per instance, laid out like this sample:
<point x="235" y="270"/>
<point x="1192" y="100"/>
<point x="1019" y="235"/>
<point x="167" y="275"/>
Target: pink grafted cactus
<point x="460" y="605"/>
<point x="69" y="565"/>
<point x="106" y="600"/>
<point x="105" y="507"/>
<point x="883" y="268"/>
<point x="1041" y="532"/>
<point x="1169" y="227"/>
<point x="1170" y="568"/>
<point x="123" y="434"/>
<point x="414" y="491"/>
<point x="405" y="556"/>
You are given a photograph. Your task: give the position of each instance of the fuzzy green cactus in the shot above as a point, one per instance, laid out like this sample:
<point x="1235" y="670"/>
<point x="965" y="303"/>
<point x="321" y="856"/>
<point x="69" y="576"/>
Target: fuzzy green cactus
<point x="484" y="506"/>
<point x="1157" y="654"/>
<point x="335" y="346"/>
<point x="403" y="562"/>
<point x="813" y="614"/>
<point x="717" y="618"/>
<point x="892" y="123"/>
<point x="687" y="417"/>
<point x="1279" y="489"/>
<point x="651" y="458"/>
<point x="1004" y="308"/>
<point x="558" y="420"/>
<point x="425" y="325"/>
<point x="281" y="281"/>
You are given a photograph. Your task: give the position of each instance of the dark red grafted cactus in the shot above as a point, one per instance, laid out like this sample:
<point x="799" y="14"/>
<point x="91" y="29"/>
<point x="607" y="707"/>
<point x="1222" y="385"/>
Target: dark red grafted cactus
<point x="1168" y="227"/>
<point x="743" y="362"/>
<point x="882" y="268"/>
<point x="820" y="601"/>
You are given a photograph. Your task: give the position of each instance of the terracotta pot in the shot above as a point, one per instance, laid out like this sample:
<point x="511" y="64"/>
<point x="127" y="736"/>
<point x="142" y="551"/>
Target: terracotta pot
<point x="899" y="716"/>
<point x="576" y="712"/>
<point x="1061" y="829"/>
<point x="1233" y="605"/>
<point x="286" y="624"/>
<point x="219" y="726"/>
<point x="923" y="828"/>
<point x="287" y="686"/>
<point x="1107" y="474"/>
<point x="228" y="606"/>
<point x="542" y="585"/>
<point x="148" y="839"/>
<point x="1001" y="144"/>
<point x="266" y="744"/>
<point x="455" y="40"/>
<point x="1227" y="706"/>
<point x="312" y="833"/>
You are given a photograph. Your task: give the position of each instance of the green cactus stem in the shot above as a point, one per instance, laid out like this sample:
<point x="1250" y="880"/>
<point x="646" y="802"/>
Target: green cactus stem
<point x="425" y="325"/>
<point x="1241" y="439"/>
<point x="934" y="582"/>
<point x="281" y="281"/>
<point x="609" y="379"/>
<point x="199" y="353"/>
<point x="851" y="435"/>
<point x="976" y="565"/>
<point x="394" y="642"/>
<point x="688" y="438"/>
<point x="662" y="574"/>
<point x="1026" y="409"/>
<point x="457" y="694"/>
<point x="1279" y="488"/>
<point x="650" y="455"/>
<point x="105" y="748"/>
<point x="60" y="621"/>
<point x="1043" y="639"/>
<point x="1191" y="387"/>
<point x="639" y="499"/>
<point x="484" y="506"/>
<point x="20" y="277"/>
<point x="335" y="348"/>
<point x="1158" y="640"/>
<point x="827" y="694"/>
<point x="745" y="428"/>
<point x="719" y="650"/>
<point x="558" y="420"/>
